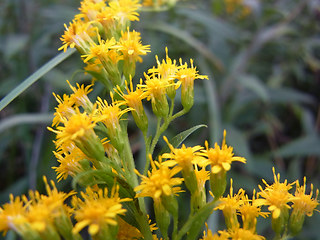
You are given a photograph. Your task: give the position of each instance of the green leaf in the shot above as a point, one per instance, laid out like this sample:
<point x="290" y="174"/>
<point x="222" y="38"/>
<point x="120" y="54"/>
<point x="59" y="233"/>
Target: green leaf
<point x="178" y="139"/>
<point x="34" y="77"/>
<point x="287" y="95"/>
<point x="25" y="119"/>
<point x="304" y="146"/>
<point x="222" y="29"/>
<point x="15" y="44"/>
<point x="254" y="84"/>
<point x="194" y="224"/>
<point x="189" y="39"/>
<point x="211" y="95"/>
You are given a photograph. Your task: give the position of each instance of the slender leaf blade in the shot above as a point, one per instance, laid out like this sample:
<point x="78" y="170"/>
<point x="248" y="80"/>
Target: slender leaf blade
<point x="34" y="77"/>
<point x="178" y="139"/>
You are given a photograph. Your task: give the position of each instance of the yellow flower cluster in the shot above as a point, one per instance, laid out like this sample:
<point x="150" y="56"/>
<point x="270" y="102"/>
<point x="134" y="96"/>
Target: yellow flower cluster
<point x="237" y="7"/>
<point x="93" y="148"/>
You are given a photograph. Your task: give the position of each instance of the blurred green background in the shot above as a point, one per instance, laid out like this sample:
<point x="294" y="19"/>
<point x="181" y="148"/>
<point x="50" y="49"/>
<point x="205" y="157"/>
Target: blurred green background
<point x="262" y="58"/>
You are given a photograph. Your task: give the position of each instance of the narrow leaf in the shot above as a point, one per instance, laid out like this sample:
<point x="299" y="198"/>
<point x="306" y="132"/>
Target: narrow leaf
<point x="34" y="77"/>
<point x="254" y="84"/>
<point x="195" y="223"/>
<point x="20" y="119"/>
<point x="178" y="139"/>
<point x="304" y="146"/>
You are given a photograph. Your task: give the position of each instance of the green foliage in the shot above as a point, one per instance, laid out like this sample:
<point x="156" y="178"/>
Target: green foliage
<point x="264" y="84"/>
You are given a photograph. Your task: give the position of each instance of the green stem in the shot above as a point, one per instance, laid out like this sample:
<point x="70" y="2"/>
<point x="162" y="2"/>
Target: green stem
<point x="150" y="148"/>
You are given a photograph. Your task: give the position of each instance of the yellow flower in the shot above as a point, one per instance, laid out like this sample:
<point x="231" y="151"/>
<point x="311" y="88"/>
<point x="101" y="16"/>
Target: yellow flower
<point x="160" y="181"/>
<point x="13" y="216"/>
<point x="304" y="203"/>
<point x="131" y="47"/>
<point x="220" y="159"/>
<point x="77" y="127"/>
<point x="78" y="35"/>
<point x="80" y="96"/>
<point x="250" y="210"/>
<point x="155" y="88"/>
<point x="125" y="10"/>
<point x="223" y="235"/>
<point x="90" y="8"/>
<point x="102" y="50"/>
<point x="184" y="157"/>
<point x="202" y="176"/>
<point x="241" y="234"/>
<point x="64" y="109"/>
<point x="167" y="70"/>
<point x="133" y="99"/>
<point x="97" y="210"/>
<point x="230" y="205"/>
<point x="69" y="163"/>
<point x="186" y="77"/>
<point x="277" y="195"/>
<point x="110" y="114"/>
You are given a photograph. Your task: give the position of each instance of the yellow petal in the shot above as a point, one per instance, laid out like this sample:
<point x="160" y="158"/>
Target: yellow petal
<point x="215" y="169"/>
<point x="226" y="166"/>
<point x="93" y="229"/>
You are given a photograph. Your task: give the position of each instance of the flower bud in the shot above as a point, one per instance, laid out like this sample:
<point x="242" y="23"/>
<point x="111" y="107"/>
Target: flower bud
<point x="218" y="183"/>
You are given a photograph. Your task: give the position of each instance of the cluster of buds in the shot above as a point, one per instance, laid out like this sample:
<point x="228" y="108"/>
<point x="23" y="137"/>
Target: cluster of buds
<point x="93" y="148"/>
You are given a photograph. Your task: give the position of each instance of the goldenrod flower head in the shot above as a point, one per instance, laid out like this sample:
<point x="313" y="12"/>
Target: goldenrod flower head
<point x="64" y="109"/>
<point x="167" y="68"/>
<point x="97" y="210"/>
<point x="302" y="202"/>
<point x="160" y="181"/>
<point x="94" y="67"/>
<point x="77" y="34"/>
<point x="276" y="195"/>
<point x="223" y="235"/>
<point x="110" y="114"/>
<point x="184" y="157"/>
<point x="101" y="50"/>
<point x="220" y="159"/>
<point x="69" y="163"/>
<point x="78" y="127"/>
<point x="132" y="98"/>
<point x="106" y="18"/>
<point x="131" y="47"/>
<point x="230" y="205"/>
<point x="13" y="215"/>
<point x="39" y="216"/>
<point x="154" y="86"/>
<point x="241" y="234"/>
<point x="202" y="176"/>
<point x="250" y="210"/>
<point x="90" y="8"/>
<point x="125" y="10"/>
<point x="186" y="75"/>
<point x="80" y="95"/>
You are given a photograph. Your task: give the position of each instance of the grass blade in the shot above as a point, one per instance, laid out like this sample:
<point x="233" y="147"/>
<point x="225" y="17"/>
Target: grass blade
<point x="25" y="119"/>
<point x="34" y="77"/>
